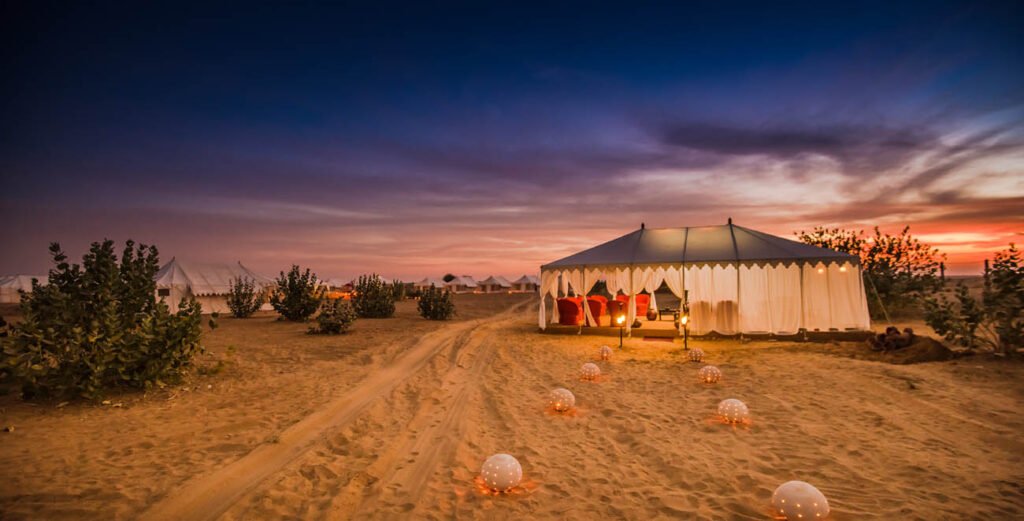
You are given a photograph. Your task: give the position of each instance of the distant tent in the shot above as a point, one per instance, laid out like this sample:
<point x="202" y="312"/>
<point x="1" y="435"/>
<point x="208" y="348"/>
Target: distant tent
<point x="463" y="284"/>
<point x="11" y="286"/>
<point x="494" y="284"/>
<point x="526" y="284"/>
<point x="430" y="281"/>
<point x="737" y="280"/>
<point x="208" y="283"/>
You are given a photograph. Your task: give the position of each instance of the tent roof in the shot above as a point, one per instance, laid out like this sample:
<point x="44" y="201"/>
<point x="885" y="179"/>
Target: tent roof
<point x="726" y="243"/>
<point x="436" y="282"/>
<point x="497" y="280"/>
<point x="205" y="279"/>
<point x="22" y="282"/>
<point x="463" y="280"/>
<point x="527" y="279"/>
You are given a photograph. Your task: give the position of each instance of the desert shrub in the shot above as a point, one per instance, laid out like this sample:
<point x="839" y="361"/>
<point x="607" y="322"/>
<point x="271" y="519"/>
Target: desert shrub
<point x="436" y="304"/>
<point x="98" y="325"/>
<point x="243" y="297"/>
<point x="373" y="298"/>
<point x="898" y="269"/>
<point x="398" y="290"/>
<point x="297" y="295"/>
<point x="335" y="317"/>
<point x="997" y="320"/>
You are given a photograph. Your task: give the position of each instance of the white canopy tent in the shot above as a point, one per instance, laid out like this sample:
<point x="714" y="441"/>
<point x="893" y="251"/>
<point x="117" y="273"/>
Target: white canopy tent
<point x="208" y="283"/>
<point x="737" y="280"/>
<point x="11" y="286"/>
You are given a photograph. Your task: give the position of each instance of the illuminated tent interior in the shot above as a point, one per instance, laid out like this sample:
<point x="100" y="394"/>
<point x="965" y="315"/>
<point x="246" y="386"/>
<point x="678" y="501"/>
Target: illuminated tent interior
<point x="736" y="280"/>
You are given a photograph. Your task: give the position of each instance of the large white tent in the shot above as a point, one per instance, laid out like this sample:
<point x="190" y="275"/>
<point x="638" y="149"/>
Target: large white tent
<point x="526" y="284"/>
<point x="737" y="280"/>
<point x="495" y="284"/>
<point x="11" y="286"/>
<point x="208" y="283"/>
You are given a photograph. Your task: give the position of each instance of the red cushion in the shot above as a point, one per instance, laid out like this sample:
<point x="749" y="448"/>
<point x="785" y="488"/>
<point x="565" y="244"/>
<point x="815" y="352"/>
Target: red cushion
<point x="570" y="312"/>
<point x="615" y="307"/>
<point x="643" y="300"/>
<point x="597" y="308"/>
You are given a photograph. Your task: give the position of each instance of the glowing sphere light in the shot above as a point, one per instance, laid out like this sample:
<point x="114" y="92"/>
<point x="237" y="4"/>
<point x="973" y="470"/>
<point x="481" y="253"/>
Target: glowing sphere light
<point x="606" y="353"/>
<point x="709" y="374"/>
<point x="696" y="355"/>
<point x="733" y="411"/>
<point x="561" y="400"/>
<point x="797" y="500"/>
<point x="590" y="371"/>
<point x="501" y="472"/>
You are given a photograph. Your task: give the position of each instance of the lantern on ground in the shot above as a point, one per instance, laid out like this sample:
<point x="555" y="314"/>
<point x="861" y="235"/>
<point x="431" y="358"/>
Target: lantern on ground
<point x="620" y="321"/>
<point x="590" y="371"/>
<point x="709" y="374"/>
<point x="501" y="472"/>
<point x="561" y="400"/>
<point x="606" y="353"/>
<point x="733" y="411"/>
<point x="797" y="500"/>
<point x="697" y="355"/>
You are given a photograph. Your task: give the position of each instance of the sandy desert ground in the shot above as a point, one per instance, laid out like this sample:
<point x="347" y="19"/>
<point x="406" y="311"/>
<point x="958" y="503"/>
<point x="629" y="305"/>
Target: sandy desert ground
<point x="394" y="419"/>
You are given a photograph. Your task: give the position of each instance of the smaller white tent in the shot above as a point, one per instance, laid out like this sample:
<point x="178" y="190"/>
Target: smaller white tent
<point x="208" y="283"/>
<point x="463" y="284"/>
<point x="11" y="286"/>
<point x="526" y="284"/>
<point x="429" y="281"/>
<point x="494" y="284"/>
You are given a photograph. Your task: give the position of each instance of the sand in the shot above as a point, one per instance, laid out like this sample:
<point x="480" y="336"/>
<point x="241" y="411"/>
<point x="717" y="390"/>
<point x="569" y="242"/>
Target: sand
<point x="394" y="419"/>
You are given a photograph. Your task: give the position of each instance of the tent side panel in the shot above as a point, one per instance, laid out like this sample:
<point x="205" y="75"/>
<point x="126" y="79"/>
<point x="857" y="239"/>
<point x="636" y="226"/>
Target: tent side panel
<point x="724" y="300"/>
<point x="847" y="297"/>
<point x="817" y="304"/>
<point x="784" y="298"/>
<point x="755" y="301"/>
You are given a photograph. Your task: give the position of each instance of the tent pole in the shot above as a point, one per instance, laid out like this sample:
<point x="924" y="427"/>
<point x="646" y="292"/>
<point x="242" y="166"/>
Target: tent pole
<point x="803" y="320"/>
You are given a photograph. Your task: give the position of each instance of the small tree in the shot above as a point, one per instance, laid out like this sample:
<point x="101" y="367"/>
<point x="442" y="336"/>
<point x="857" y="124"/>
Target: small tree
<point x="298" y="295"/>
<point x="243" y="297"/>
<point x="397" y="290"/>
<point x="898" y="268"/>
<point x="436" y="304"/>
<point x="98" y="325"/>
<point x="336" y="317"/>
<point x="448" y="277"/>
<point x="373" y="298"/>
<point x="997" y="321"/>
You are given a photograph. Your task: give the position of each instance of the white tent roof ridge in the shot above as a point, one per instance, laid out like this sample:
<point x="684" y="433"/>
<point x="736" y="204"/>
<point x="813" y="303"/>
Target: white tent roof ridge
<point x="697" y="245"/>
<point x="499" y="280"/>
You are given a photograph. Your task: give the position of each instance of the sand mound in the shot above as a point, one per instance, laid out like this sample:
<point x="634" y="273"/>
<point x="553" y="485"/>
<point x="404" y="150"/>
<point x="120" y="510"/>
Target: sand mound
<point x="923" y="349"/>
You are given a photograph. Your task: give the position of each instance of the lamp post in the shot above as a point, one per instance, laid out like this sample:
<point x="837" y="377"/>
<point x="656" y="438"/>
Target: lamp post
<point x="621" y="321"/>
<point x="684" y="319"/>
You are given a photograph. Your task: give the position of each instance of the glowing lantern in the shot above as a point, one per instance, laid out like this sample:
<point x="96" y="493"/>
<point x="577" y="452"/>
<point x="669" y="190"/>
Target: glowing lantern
<point x="696" y="355"/>
<point x="562" y="400"/>
<point x="501" y="472"/>
<point x="733" y="411"/>
<point x="606" y="353"/>
<point x="709" y="374"/>
<point x="590" y="371"/>
<point x="797" y="500"/>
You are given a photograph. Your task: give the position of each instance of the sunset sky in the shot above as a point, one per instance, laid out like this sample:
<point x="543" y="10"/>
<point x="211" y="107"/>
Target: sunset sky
<point x="416" y="141"/>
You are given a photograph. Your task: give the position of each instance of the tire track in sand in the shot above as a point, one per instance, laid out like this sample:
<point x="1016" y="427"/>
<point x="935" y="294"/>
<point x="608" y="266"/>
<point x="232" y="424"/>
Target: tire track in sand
<point x="207" y="497"/>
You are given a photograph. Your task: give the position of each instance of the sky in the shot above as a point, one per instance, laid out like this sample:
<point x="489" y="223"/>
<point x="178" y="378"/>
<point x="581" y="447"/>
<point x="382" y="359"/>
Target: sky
<point x="414" y="140"/>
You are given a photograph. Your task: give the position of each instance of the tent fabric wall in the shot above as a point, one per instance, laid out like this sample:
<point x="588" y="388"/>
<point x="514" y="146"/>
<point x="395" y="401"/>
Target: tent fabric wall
<point x="817" y="312"/>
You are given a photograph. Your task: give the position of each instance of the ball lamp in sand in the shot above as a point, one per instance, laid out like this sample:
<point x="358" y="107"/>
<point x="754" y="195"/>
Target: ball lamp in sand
<point x="501" y="472"/>
<point x="709" y="374"/>
<point x="798" y="501"/>
<point x="733" y="411"/>
<point x="696" y="355"/>
<point x="590" y="371"/>
<point x="606" y="353"/>
<point x="562" y="400"/>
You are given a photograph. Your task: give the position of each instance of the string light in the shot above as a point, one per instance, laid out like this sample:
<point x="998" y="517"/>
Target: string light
<point x="709" y="374"/>
<point x="697" y="355"/>
<point x="501" y="472"/>
<point x="798" y="501"/>
<point x="590" y="371"/>
<point x="733" y="411"/>
<point x="562" y="400"/>
<point x="606" y="353"/>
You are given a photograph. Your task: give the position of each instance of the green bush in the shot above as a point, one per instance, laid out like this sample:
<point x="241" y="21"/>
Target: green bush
<point x="373" y="298"/>
<point x="436" y="304"/>
<point x="335" y="317"/>
<point x="997" y="321"/>
<point x="398" y="290"/>
<point x="298" y="295"/>
<point x="99" y="325"/>
<point x="243" y="297"/>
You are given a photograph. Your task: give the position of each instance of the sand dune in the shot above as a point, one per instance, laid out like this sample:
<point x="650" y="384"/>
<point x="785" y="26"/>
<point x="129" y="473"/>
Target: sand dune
<point x="395" y="419"/>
